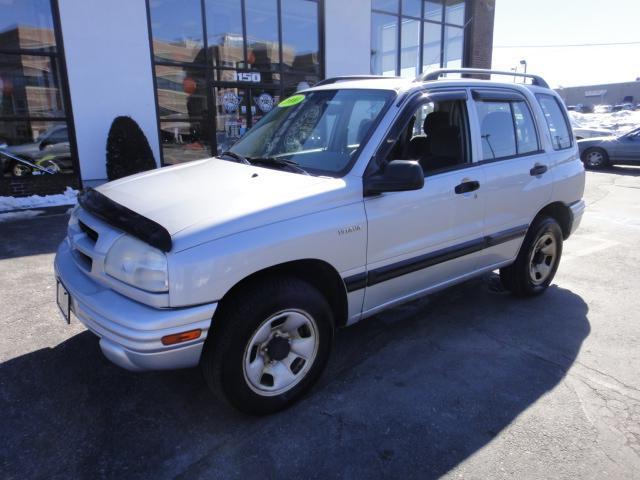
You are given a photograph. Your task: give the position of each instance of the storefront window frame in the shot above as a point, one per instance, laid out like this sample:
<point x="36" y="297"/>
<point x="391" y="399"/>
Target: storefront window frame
<point x="57" y="59"/>
<point x="211" y="72"/>
<point x="400" y="16"/>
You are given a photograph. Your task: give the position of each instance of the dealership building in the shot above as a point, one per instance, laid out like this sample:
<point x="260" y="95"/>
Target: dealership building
<point x="195" y="74"/>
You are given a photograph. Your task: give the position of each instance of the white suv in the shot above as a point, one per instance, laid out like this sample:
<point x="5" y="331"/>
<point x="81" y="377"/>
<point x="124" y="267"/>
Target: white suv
<point x="347" y="199"/>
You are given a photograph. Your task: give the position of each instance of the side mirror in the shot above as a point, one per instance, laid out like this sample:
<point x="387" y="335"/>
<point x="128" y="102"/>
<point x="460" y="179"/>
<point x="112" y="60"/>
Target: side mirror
<point x="397" y="176"/>
<point x="45" y="143"/>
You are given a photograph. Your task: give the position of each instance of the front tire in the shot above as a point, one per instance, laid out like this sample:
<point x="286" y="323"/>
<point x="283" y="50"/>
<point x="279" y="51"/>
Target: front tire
<point x="268" y="345"/>
<point x="537" y="261"/>
<point x="595" y="158"/>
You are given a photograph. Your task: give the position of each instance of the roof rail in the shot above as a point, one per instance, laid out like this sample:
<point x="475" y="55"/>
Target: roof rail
<point x="346" y="78"/>
<point x="536" y="79"/>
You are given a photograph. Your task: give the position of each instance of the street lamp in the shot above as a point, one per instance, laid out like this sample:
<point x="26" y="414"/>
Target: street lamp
<point x="524" y="62"/>
<point x="514" y="70"/>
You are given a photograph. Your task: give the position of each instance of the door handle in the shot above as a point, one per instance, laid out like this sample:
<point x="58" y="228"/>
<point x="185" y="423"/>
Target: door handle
<point x="538" y="170"/>
<point x="466" y="187"/>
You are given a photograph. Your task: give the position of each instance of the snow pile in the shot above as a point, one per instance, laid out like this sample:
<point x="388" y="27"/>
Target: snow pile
<point x="20" y="215"/>
<point x="37" y="201"/>
<point x="619" y="122"/>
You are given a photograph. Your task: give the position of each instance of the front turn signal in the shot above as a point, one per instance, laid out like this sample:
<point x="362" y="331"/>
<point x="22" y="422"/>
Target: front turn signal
<point x="181" y="337"/>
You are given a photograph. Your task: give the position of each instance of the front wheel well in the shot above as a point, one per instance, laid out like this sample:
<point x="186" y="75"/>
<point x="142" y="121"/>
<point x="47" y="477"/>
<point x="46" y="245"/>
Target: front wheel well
<point x="318" y="273"/>
<point x="561" y="213"/>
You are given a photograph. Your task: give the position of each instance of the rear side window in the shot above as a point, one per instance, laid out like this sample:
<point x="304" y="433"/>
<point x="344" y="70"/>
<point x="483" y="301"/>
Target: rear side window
<point x="556" y="121"/>
<point x="525" y="128"/>
<point x="507" y="128"/>
<point x="496" y="127"/>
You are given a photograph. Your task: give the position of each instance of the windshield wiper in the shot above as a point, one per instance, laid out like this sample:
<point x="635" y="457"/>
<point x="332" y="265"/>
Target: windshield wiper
<point x="235" y="156"/>
<point x="280" y="162"/>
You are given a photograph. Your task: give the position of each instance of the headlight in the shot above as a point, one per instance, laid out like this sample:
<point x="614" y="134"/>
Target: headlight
<point x="139" y="264"/>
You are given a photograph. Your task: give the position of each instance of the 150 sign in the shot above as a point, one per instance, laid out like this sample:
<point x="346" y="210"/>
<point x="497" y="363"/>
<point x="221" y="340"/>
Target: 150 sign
<point x="248" y="77"/>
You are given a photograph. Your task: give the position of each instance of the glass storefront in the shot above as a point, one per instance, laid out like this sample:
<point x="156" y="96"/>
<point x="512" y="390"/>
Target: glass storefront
<point x="34" y="123"/>
<point x="220" y="65"/>
<point x="409" y="37"/>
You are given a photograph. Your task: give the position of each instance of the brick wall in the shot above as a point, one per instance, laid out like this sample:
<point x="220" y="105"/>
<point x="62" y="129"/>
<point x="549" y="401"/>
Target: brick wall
<point x="37" y="185"/>
<point x="480" y="33"/>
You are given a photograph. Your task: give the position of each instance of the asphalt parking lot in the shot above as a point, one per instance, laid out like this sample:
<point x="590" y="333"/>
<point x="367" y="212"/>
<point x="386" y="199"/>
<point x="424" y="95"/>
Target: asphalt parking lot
<point x="471" y="383"/>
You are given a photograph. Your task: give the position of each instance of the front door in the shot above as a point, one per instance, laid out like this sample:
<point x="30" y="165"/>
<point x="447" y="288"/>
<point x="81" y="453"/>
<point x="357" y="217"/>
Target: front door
<point x="626" y="149"/>
<point x="421" y="239"/>
<point x="237" y="109"/>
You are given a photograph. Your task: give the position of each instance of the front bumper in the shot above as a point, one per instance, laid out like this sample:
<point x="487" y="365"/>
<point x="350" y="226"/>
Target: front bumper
<point x="577" y="210"/>
<point x="130" y="332"/>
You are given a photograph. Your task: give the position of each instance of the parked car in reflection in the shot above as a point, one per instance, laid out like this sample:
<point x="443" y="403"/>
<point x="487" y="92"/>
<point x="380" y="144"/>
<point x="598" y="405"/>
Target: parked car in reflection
<point x="616" y="150"/>
<point x="50" y="151"/>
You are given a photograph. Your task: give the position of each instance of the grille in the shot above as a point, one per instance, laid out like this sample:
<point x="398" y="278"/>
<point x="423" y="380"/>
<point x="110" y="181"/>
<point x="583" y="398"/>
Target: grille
<point x="91" y="233"/>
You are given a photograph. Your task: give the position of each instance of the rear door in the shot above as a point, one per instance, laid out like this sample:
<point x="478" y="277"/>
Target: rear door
<point x="517" y="171"/>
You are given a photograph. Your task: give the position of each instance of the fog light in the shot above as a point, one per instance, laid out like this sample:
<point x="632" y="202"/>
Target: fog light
<point x="181" y="337"/>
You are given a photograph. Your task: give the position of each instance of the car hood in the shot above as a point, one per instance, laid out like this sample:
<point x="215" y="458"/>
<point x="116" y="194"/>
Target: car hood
<point x="589" y="142"/>
<point x="208" y="199"/>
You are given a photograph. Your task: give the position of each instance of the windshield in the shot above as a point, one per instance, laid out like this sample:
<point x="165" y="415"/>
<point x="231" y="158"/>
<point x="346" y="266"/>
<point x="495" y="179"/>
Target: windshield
<point x="320" y="131"/>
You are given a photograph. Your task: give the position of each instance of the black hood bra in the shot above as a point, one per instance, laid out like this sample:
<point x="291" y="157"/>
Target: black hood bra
<point x="125" y="219"/>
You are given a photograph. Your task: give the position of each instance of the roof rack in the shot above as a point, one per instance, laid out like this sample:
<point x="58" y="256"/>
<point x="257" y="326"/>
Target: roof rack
<point x="436" y="74"/>
<point x="346" y="78"/>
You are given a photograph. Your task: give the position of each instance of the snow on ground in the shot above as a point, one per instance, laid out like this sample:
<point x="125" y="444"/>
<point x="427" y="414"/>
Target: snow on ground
<point x="620" y="122"/>
<point x="19" y="215"/>
<point x="37" y="201"/>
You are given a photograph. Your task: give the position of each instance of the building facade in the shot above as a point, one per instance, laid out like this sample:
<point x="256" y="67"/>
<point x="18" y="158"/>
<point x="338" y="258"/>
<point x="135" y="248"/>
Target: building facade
<point x="605" y="94"/>
<point x="195" y="74"/>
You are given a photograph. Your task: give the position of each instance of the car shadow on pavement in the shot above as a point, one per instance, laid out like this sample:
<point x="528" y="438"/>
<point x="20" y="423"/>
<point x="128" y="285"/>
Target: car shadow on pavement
<point x="410" y="393"/>
<point x="620" y="170"/>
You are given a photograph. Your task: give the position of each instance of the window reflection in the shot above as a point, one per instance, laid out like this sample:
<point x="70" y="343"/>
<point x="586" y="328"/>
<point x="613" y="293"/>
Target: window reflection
<point x="412" y="8"/>
<point x="442" y="39"/>
<point x="433" y="10"/>
<point x="431" y="46"/>
<point x="384" y="43"/>
<point x="454" y="12"/>
<point x="26" y="25"/>
<point x="453" y="41"/>
<point x="34" y="146"/>
<point x="300" y="50"/>
<point x="182" y="92"/>
<point x="262" y="34"/>
<point x="410" y="54"/>
<point x="183" y="142"/>
<point x="212" y="88"/>
<point x="224" y="31"/>
<point x="34" y="132"/>
<point x="177" y="29"/>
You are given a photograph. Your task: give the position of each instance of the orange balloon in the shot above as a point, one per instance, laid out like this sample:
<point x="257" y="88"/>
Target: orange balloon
<point x="189" y="86"/>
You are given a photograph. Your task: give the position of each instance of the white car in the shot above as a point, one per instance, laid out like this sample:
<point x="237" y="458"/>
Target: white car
<point x="347" y="199"/>
<point x="582" y="133"/>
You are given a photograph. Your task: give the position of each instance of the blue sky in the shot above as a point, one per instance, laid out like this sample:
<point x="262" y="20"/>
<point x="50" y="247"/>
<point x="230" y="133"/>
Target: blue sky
<point x="562" y="22"/>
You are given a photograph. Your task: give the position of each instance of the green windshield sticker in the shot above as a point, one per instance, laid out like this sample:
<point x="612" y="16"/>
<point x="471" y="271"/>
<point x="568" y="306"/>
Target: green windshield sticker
<point x="291" y="101"/>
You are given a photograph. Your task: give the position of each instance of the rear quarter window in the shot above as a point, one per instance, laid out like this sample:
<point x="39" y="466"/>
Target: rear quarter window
<point x="557" y="123"/>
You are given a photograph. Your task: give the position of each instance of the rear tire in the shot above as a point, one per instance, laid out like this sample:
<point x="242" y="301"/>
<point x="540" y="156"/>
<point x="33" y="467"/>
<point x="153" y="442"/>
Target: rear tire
<point x="537" y="261"/>
<point x="268" y="345"/>
<point x="595" y="158"/>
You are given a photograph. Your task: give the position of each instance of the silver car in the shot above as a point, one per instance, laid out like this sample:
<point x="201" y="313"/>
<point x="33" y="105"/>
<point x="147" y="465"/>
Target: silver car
<point x="607" y="151"/>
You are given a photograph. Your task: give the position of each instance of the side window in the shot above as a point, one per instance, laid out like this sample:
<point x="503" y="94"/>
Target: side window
<point x="507" y="129"/>
<point x="526" y="134"/>
<point x="556" y="121"/>
<point x="436" y="135"/>
<point x="496" y="129"/>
